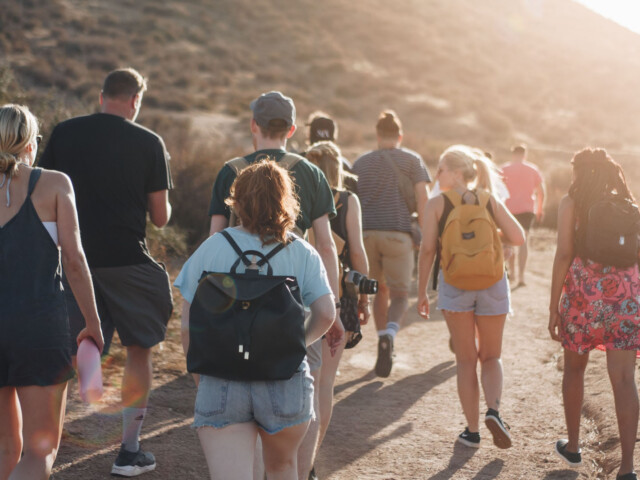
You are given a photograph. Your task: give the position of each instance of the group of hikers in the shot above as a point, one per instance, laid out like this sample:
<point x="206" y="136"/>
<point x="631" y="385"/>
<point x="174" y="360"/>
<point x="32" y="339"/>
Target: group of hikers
<point x="298" y="245"/>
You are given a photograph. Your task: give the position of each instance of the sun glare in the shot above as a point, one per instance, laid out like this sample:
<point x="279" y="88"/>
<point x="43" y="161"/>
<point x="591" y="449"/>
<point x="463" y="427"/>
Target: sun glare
<point x="624" y="12"/>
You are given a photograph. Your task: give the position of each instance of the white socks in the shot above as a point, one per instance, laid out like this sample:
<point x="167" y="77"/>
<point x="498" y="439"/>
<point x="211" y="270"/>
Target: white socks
<point x="392" y="329"/>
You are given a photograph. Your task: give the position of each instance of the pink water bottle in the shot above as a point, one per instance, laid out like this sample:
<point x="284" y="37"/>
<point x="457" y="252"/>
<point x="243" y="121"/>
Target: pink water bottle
<point x="89" y="371"/>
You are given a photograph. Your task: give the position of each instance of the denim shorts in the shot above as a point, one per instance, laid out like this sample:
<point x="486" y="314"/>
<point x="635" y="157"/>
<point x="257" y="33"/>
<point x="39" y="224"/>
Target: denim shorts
<point x="495" y="300"/>
<point x="273" y="405"/>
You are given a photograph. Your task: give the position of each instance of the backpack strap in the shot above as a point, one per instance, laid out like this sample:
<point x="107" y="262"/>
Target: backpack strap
<point x="243" y="256"/>
<point x="238" y="164"/>
<point x="33" y="179"/>
<point x="289" y="160"/>
<point x="451" y="200"/>
<point x="275" y="250"/>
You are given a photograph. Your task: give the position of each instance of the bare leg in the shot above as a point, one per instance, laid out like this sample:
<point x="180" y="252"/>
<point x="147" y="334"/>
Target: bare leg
<point x="398" y="307"/>
<point x="523" y="253"/>
<point x="512" y="265"/>
<point x="138" y="372"/>
<point x="280" y="452"/>
<point x="381" y="307"/>
<point x="327" y="381"/>
<point x="10" y="431"/>
<point x="621" y="365"/>
<point x="490" y="328"/>
<point x="308" y="448"/>
<point x="43" y="414"/>
<point x="462" y="327"/>
<point x="229" y="450"/>
<point x="572" y="394"/>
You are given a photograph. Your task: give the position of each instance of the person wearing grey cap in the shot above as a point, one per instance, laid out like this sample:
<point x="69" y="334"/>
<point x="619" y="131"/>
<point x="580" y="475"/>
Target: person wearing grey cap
<point x="272" y="124"/>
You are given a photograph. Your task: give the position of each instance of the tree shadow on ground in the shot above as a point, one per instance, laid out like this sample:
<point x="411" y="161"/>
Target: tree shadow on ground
<point x="375" y="406"/>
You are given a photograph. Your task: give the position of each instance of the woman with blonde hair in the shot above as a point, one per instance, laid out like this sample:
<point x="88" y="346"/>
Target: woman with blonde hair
<point x="37" y="222"/>
<point x="595" y="298"/>
<point x="231" y="414"/>
<point x="347" y="232"/>
<point x="467" y="177"/>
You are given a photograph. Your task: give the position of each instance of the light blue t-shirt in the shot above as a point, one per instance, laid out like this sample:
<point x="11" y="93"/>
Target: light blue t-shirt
<point x="215" y="254"/>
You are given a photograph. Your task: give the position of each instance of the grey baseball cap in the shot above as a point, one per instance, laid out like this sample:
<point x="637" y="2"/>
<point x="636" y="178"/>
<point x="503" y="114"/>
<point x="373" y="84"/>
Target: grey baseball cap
<point x="273" y="106"/>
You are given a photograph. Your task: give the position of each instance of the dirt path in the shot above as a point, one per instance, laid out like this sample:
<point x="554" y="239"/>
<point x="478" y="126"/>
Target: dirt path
<point x="402" y="427"/>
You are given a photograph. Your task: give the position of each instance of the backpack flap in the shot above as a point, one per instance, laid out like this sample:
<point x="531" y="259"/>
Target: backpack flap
<point x="246" y="327"/>
<point x="471" y="254"/>
<point x="611" y="234"/>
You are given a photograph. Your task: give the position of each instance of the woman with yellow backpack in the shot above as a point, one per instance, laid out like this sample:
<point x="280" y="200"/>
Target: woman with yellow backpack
<point x="464" y="228"/>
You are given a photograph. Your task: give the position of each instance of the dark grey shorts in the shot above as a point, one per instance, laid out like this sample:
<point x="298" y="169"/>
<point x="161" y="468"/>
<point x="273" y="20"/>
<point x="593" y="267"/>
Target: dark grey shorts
<point x="135" y="300"/>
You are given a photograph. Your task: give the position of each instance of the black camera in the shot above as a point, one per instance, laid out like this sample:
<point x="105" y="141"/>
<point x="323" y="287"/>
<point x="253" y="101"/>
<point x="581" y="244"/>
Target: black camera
<point x="355" y="283"/>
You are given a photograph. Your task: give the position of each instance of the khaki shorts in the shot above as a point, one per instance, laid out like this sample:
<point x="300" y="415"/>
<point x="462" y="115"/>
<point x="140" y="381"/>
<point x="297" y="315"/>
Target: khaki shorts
<point x="391" y="258"/>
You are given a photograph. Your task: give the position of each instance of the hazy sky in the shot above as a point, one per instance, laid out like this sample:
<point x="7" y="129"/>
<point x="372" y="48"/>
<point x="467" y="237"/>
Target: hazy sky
<point x="625" y="12"/>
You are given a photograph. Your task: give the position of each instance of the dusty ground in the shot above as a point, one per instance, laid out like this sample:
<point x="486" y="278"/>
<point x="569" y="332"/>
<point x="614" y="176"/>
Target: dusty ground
<point x="402" y="427"/>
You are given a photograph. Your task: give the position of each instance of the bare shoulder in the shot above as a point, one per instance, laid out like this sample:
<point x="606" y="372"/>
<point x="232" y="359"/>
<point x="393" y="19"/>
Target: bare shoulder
<point x="56" y="181"/>
<point x="353" y="200"/>
<point x="436" y="204"/>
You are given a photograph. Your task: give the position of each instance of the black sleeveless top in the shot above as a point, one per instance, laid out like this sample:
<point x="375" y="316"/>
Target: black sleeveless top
<point x="33" y="312"/>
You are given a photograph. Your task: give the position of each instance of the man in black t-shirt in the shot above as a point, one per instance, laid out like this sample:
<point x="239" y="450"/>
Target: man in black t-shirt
<point x="120" y="171"/>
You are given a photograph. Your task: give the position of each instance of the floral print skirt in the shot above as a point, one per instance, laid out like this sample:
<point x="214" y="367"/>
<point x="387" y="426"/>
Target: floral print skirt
<point x="600" y="306"/>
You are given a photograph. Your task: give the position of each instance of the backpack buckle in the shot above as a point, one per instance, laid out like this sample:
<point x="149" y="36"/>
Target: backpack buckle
<point x="245" y="305"/>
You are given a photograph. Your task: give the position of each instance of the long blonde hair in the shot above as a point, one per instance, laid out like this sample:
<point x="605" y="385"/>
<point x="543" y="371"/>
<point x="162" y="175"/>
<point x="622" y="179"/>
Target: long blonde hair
<point x="18" y="128"/>
<point x="478" y="171"/>
<point x="326" y="156"/>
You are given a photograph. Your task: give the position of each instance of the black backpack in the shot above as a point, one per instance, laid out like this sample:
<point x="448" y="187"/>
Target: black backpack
<point x="610" y="234"/>
<point x="247" y="326"/>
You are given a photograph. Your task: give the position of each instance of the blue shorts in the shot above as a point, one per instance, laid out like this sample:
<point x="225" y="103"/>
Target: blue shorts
<point x="273" y="405"/>
<point x="495" y="300"/>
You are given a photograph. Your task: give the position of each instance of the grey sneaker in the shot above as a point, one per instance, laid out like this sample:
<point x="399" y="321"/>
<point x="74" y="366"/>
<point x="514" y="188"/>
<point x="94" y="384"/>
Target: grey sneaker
<point x="385" y="356"/>
<point x="132" y="464"/>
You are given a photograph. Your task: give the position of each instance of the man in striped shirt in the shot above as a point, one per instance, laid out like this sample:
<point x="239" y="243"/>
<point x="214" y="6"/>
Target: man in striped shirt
<point x="386" y="224"/>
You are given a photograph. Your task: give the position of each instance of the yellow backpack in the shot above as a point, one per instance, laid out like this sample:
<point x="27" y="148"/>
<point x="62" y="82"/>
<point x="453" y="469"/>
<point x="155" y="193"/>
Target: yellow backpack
<point x="471" y="255"/>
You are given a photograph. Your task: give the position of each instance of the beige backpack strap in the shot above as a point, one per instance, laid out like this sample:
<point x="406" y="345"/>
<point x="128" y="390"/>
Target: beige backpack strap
<point x="238" y="164"/>
<point x="289" y="160"/>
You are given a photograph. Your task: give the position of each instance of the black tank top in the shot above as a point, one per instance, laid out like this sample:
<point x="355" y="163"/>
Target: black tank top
<point x="29" y="264"/>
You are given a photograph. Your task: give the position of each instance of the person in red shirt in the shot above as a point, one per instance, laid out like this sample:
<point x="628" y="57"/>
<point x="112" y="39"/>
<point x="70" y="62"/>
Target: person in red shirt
<point x="526" y="199"/>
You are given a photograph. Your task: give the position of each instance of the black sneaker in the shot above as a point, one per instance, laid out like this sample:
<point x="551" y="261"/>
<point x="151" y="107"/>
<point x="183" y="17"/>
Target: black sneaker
<point x="627" y="476"/>
<point x="498" y="428"/>
<point x="572" y="459"/>
<point x="470" y="439"/>
<point x="385" y="356"/>
<point x="312" y="474"/>
<point x="131" y="464"/>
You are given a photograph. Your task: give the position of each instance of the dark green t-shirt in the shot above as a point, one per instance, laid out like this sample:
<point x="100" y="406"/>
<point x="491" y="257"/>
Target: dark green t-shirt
<point x="311" y="186"/>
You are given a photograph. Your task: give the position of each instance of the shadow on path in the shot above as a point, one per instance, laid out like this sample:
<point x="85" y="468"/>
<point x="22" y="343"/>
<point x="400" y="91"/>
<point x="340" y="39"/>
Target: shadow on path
<point x="89" y="443"/>
<point x="460" y="456"/>
<point x="359" y="417"/>
<point x="564" y="474"/>
<point x="345" y="386"/>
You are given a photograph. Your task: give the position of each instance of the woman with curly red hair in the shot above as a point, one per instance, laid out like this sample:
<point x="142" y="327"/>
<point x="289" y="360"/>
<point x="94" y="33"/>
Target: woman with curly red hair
<point x="231" y="414"/>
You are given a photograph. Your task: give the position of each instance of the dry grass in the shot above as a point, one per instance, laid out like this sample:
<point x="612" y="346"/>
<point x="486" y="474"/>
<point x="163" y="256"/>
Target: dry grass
<point x="550" y="73"/>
